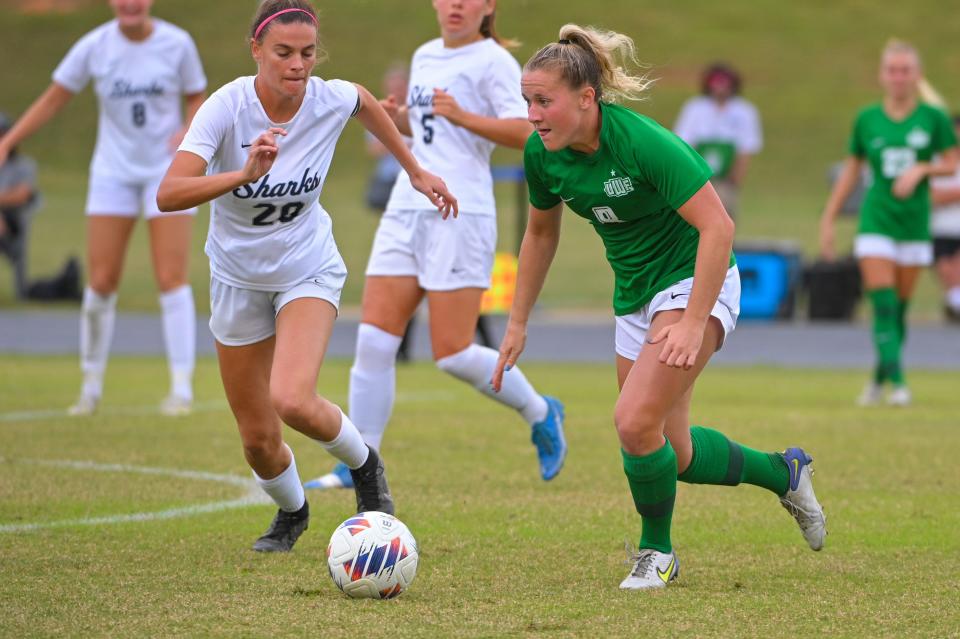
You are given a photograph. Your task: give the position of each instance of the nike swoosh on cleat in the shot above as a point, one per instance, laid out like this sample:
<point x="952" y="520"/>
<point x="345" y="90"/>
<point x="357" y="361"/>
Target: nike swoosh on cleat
<point x="665" y="576"/>
<point x="796" y="469"/>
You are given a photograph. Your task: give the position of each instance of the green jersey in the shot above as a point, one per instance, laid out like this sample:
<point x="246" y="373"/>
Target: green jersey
<point x="629" y="190"/>
<point x="891" y="148"/>
<point x="719" y="156"/>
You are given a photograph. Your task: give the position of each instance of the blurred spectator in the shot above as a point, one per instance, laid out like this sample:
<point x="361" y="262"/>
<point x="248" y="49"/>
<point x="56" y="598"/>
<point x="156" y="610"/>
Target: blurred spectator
<point x="387" y="169"/>
<point x="724" y="128"/>
<point x="18" y="200"/>
<point x="945" y="226"/>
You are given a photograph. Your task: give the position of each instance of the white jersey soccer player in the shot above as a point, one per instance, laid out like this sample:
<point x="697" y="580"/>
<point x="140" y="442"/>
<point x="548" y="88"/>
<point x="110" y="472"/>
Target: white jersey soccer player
<point x="279" y="215"/>
<point x="259" y="149"/>
<point x="141" y="69"/>
<point x="463" y="99"/>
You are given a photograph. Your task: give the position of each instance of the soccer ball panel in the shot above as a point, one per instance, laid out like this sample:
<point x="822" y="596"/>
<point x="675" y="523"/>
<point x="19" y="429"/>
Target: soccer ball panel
<point x="372" y="555"/>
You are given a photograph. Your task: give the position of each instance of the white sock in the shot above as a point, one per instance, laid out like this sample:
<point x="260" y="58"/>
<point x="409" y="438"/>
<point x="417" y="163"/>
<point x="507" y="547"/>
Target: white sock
<point x="348" y="446"/>
<point x="97" y="316"/>
<point x="475" y="365"/>
<point x="180" y="336"/>
<point x="285" y="489"/>
<point x="373" y="382"/>
<point x="953" y="298"/>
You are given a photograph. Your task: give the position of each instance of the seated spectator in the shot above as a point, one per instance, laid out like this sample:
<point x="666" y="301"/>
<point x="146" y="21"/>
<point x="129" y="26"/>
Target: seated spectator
<point x="18" y="199"/>
<point x="724" y="128"/>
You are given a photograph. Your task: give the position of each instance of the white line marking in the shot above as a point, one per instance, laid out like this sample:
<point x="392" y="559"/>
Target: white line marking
<point x="252" y="496"/>
<point x="214" y="406"/>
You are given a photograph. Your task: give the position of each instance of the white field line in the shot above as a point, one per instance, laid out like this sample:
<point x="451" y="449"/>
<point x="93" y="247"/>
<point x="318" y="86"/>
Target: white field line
<point x="252" y="496"/>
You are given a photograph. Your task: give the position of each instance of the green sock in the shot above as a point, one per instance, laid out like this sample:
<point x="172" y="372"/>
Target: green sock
<point x="653" y="484"/>
<point x="886" y="335"/>
<point x="902" y="306"/>
<point x="719" y="461"/>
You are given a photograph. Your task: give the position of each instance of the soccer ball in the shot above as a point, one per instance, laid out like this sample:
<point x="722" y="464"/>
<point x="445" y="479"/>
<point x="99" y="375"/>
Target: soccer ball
<point x="372" y="555"/>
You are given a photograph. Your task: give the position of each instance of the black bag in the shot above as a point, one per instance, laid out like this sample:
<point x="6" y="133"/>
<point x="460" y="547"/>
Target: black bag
<point x="65" y="285"/>
<point x="833" y="289"/>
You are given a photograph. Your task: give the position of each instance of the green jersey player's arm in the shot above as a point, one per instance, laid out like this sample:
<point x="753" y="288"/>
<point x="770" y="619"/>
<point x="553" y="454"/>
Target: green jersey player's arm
<point x="907" y="182"/>
<point x="842" y="188"/>
<point x="536" y="254"/>
<point x="705" y="212"/>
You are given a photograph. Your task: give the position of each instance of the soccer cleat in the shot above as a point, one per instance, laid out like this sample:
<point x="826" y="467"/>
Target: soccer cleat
<point x="370" y="485"/>
<point x="899" y="396"/>
<point x="284" y="531"/>
<point x="85" y="406"/>
<point x="799" y="499"/>
<point x="651" y="569"/>
<point x="547" y="436"/>
<point x="176" y="406"/>
<point x="339" y="477"/>
<point x="871" y="395"/>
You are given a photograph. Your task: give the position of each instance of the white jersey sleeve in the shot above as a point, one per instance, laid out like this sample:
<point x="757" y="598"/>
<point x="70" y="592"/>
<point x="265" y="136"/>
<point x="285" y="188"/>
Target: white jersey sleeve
<point x="192" y="78"/>
<point x="208" y="128"/>
<point x="73" y="72"/>
<point x="501" y="85"/>
<point x="349" y="97"/>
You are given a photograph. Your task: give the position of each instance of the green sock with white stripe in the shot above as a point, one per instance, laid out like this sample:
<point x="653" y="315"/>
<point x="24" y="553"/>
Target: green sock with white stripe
<point x="717" y="460"/>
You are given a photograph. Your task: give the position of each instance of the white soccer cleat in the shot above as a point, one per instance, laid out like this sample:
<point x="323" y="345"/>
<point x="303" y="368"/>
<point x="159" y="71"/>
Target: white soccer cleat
<point x="800" y="501"/>
<point x="651" y="569"/>
<point x="900" y="396"/>
<point x="85" y="406"/>
<point x="871" y="395"/>
<point x="176" y="406"/>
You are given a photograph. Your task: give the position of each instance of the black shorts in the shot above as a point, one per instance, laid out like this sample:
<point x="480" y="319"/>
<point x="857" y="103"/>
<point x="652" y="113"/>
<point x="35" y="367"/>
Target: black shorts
<point x="945" y="247"/>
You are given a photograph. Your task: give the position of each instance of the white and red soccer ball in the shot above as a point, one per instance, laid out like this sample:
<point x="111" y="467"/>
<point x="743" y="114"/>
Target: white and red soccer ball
<point x="372" y="555"/>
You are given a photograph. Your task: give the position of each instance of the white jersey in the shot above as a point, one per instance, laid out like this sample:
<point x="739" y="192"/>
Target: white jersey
<point x="945" y="220"/>
<point x="484" y="79"/>
<point x="270" y="234"/>
<point x="703" y="120"/>
<point x="139" y="87"/>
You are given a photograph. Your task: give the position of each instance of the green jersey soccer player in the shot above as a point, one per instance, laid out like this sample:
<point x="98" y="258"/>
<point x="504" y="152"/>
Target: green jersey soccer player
<point x="677" y="295"/>
<point x="899" y="138"/>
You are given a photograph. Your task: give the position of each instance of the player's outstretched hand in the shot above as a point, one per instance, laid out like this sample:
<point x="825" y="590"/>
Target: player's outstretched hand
<point x="263" y="151"/>
<point x="514" y="341"/>
<point x="681" y="344"/>
<point x="435" y="189"/>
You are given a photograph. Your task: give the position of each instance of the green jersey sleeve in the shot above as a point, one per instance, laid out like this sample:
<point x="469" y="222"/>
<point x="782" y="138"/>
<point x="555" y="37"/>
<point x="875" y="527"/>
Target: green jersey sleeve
<point x="669" y="165"/>
<point x="540" y="195"/>
<point x="944" y="135"/>
<point x="857" y="148"/>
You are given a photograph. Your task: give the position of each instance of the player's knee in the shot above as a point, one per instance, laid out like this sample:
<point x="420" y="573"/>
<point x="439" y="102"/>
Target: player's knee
<point x="637" y="422"/>
<point x="376" y="348"/>
<point x="261" y="447"/>
<point x="171" y="280"/>
<point x="104" y="284"/>
<point x="291" y="404"/>
<point x="459" y="364"/>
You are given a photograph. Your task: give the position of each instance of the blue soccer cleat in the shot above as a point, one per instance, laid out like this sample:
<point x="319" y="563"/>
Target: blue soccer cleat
<point x="339" y="477"/>
<point x="547" y="436"/>
<point x="800" y="501"/>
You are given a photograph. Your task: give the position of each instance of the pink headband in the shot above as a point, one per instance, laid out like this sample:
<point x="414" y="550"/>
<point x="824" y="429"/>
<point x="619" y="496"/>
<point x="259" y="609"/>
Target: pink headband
<point x="256" y="34"/>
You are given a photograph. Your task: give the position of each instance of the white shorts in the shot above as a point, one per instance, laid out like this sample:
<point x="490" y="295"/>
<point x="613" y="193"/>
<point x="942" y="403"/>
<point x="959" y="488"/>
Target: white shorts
<point x="885" y="247"/>
<point x="109" y="196"/>
<point x="632" y="329"/>
<point x="444" y="255"/>
<point x="242" y="316"/>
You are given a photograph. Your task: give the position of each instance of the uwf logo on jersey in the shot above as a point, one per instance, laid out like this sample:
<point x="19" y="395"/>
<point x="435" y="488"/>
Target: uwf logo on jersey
<point x="617" y="186"/>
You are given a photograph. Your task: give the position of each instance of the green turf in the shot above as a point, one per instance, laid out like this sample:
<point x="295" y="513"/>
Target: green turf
<point x="808" y="66"/>
<point x="502" y="553"/>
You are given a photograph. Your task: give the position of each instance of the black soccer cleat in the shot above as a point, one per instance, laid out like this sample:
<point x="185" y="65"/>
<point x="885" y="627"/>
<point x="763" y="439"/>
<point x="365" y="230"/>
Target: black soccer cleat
<point x="370" y="485"/>
<point x="284" y="531"/>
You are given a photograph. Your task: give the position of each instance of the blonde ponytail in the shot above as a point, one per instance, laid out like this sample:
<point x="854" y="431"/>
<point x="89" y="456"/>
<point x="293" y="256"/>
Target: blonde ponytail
<point x="586" y="56"/>
<point x="930" y="95"/>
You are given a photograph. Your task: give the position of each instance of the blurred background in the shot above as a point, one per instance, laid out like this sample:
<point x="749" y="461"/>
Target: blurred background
<point x="807" y="67"/>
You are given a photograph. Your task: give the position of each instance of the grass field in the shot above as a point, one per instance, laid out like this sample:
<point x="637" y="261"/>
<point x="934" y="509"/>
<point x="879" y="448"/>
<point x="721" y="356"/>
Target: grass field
<point x="502" y="553"/>
<point x="808" y="66"/>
